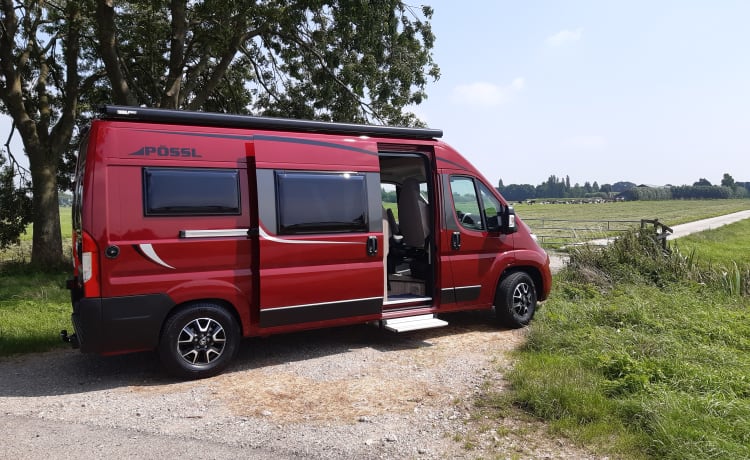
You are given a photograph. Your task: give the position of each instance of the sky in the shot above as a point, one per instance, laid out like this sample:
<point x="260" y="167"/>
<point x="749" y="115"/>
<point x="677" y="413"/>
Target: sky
<point x="651" y="92"/>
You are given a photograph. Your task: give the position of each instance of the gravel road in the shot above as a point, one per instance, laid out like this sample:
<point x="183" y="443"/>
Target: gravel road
<point x="345" y="393"/>
<point x="708" y="224"/>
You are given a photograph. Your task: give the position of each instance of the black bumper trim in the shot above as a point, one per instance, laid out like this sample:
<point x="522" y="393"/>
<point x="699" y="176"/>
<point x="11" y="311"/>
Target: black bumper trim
<point x="283" y="316"/>
<point x="120" y="324"/>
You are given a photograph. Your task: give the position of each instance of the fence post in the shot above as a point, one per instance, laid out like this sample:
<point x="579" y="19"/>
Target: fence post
<point x="661" y="231"/>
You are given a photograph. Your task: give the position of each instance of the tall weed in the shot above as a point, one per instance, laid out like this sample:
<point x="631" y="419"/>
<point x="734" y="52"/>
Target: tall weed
<point x="636" y="257"/>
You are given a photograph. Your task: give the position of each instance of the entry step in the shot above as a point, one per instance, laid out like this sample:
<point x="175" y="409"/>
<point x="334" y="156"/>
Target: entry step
<point x="413" y="323"/>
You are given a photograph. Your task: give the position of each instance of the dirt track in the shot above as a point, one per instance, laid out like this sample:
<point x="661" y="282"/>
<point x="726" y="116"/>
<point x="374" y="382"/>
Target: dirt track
<point x="354" y="392"/>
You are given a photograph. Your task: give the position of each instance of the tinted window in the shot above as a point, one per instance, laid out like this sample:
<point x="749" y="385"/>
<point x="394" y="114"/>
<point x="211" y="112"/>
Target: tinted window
<point x="491" y="206"/>
<point x="78" y="187"/>
<point x="169" y="192"/>
<point x="466" y="203"/>
<point x="319" y="202"/>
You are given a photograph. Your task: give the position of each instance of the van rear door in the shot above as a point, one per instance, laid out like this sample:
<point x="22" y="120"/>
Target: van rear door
<point x="320" y="230"/>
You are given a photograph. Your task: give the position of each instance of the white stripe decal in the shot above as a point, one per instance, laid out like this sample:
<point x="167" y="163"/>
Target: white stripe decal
<point x="213" y="233"/>
<point x="268" y="237"/>
<point x="468" y="287"/>
<point x="149" y="251"/>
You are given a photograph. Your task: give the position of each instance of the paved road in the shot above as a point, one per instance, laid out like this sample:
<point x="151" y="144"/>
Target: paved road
<point x="708" y="224"/>
<point x="558" y="260"/>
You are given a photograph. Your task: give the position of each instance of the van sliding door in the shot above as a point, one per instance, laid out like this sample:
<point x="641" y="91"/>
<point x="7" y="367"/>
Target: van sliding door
<point x="320" y="230"/>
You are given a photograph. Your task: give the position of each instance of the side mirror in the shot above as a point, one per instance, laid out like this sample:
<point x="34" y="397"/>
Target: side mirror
<point x="508" y="220"/>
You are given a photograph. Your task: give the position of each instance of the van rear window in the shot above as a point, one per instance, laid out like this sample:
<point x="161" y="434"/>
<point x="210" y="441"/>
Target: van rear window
<point x="321" y="202"/>
<point x="191" y="191"/>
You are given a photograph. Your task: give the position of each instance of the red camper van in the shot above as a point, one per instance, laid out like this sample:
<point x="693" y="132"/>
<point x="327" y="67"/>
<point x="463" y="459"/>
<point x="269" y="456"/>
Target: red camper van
<point x="193" y="230"/>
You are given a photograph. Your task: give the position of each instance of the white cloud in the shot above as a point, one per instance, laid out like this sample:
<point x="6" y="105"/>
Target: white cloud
<point x="565" y="36"/>
<point x="486" y="94"/>
<point x="518" y="84"/>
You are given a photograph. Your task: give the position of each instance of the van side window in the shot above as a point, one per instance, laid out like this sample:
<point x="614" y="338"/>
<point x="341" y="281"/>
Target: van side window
<point x="466" y="203"/>
<point x="191" y="191"/>
<point x="309" y="202"/>
<point x="490" y="207"/>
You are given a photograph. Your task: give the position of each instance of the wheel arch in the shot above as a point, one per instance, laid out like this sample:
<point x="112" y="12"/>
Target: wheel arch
<point x="534" y="273"/>
<point x="221" y="293"/>
<point x="222" y="303"/>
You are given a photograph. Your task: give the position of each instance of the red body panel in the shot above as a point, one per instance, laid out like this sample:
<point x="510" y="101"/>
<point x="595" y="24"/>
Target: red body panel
<point x="267" y="278"/>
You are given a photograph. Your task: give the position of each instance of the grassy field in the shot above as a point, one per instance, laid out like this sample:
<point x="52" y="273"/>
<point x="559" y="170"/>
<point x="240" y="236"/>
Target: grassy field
<point x="34" y="307"/>
<point x="719" y="246"/>
<point x="589" y="221"/>
<point x="634" y="357"/>
<point x="670" y="212"/>
<point x="66" y="224"/>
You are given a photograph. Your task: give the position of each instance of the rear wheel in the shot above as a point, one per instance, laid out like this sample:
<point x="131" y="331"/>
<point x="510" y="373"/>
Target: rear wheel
<point x="515" y="300"/>
<point x="199" y="341"/>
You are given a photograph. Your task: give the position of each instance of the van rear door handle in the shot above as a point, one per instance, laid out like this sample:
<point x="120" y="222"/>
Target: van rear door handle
<point x="372" y="246"/>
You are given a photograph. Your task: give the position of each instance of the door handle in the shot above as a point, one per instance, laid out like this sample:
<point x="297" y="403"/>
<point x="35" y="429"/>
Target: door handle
<point x="456" y="241"/>
<point x="372" y="246"/>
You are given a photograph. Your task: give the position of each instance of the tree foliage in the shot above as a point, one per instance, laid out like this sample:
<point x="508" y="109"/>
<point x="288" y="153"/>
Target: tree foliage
<point x="352" y="61"/>
<point x="15" y="206"/>
<point x="40" y="46"/>
<point x="643" y="193"/>
<point x="728" y="181"/>
<point x="555" y="187"/>
<point x="331" y="60"/>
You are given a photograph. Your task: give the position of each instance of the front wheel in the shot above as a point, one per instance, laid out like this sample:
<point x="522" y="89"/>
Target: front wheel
<point x="199" y="341"/>
<point x="515" y="300"/>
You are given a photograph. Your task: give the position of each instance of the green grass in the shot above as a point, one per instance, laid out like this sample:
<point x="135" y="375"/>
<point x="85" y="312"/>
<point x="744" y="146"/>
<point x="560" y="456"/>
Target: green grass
<point x="671" y="212"/>
<point x="633" y="357"/>
<point x="583" y="222"/>
<point x="66" y="224"/>
<point x="719" y="246"/>
<point x="34" y="307"/>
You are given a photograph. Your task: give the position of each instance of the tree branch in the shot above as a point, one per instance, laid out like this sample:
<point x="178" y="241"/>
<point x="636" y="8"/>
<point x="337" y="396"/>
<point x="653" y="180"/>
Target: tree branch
<point x="13" y="162"/>
<point x="12" y="94"/>
<point x="218" y="72"/>
<point x="176" y="54"/>
<point x="321" y="60"/>
<point x="259" y="75"/>
<point x="105" y="31"/>
<point x="221" y="69"/>
<point x="63" y="130"/>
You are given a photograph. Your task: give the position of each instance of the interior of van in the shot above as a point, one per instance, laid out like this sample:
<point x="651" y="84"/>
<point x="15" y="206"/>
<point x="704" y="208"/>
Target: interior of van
<point x="408" y="226"/>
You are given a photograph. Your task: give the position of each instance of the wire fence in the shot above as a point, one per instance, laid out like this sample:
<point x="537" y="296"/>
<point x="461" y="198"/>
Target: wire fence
<point x="560" y="232"/>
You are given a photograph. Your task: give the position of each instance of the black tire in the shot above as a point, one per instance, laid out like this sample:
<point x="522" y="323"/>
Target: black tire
<point x="199" y="341"/>
<point x="515" y="300"/>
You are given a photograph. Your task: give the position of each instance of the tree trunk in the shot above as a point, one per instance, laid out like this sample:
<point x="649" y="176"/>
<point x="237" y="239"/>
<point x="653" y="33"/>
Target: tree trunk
<point x="46" y="251"/>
